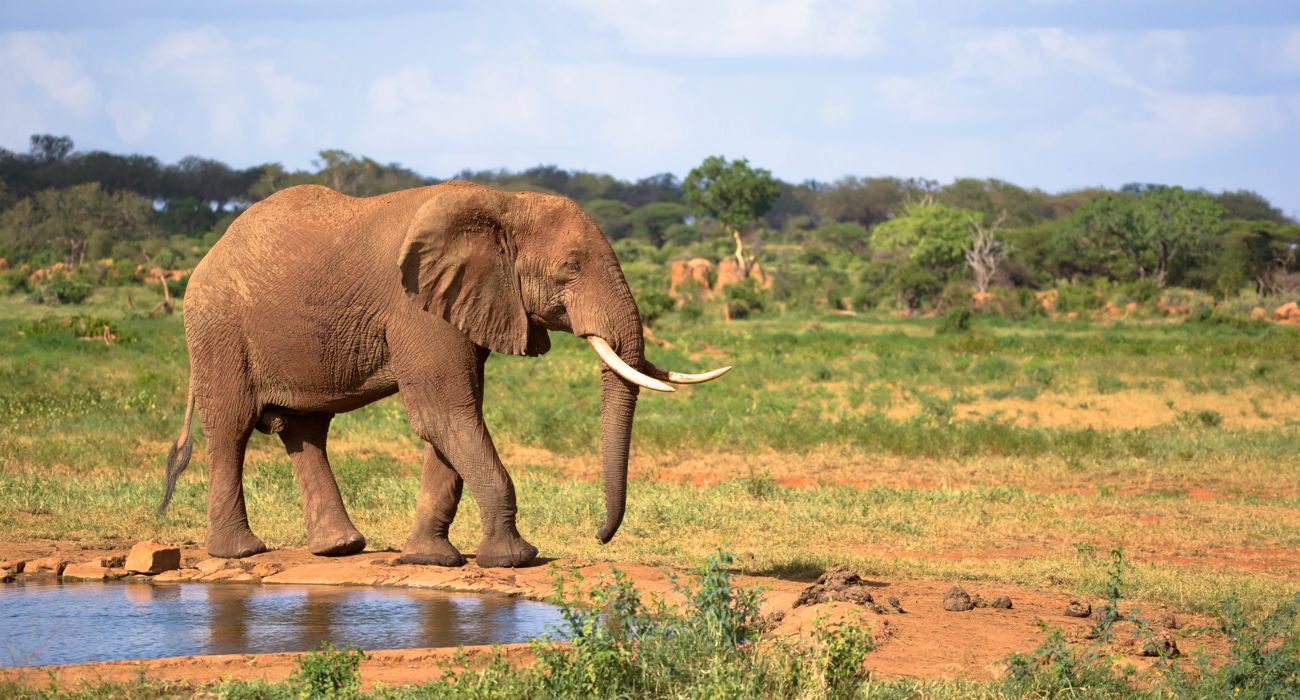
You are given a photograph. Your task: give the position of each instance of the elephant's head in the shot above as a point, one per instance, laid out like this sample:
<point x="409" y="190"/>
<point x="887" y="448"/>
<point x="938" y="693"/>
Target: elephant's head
<point x="506" y="268"/>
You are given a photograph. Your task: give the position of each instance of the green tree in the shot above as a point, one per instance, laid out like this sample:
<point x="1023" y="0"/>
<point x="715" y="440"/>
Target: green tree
<point x="75" y="223"/>
<point x="651" y="221"/>
<point x="933" y="235"/>
<point x="733" y="193"/>
<point x="1154" y="227"/>
<point x="611" y="216"/>
<point x="928" y="244"/>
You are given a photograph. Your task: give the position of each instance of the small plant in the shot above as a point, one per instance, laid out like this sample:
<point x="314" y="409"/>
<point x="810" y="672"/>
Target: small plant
<point x="1109" y="613"/>
<point x="838" y="655"/>
<point x="327" y="672"/>
<point x="760" y="485"/>
<point x="1203" y="419"/>
<point x="956" y="321"/>
<point x="1056" y="669"/>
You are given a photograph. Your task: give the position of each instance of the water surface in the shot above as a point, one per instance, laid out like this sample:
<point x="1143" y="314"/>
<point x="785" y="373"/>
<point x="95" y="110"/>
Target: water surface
<point x="56" y="622"/>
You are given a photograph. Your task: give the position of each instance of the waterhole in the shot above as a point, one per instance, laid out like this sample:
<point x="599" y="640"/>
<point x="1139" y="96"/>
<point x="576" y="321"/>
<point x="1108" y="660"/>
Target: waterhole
<point x="55" y="622"/>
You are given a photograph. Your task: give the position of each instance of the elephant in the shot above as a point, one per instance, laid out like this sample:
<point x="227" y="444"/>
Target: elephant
<point x="315" y="303"/>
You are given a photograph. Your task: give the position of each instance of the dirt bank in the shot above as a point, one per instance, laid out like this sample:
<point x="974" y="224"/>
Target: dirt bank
<point x="922" y="641"/>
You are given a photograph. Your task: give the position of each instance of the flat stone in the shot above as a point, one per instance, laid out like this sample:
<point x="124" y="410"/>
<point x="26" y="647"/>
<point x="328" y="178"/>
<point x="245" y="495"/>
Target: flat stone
<point x="266" y="568"/>
<point x="53" y="564"/>
<point x="86" y="571"/>
<point x="232" y="576"/>
<point x="212" y="566"/>
<point x="177" y="575"/>
<point x="153" y="558"/>
<point x="328" y="575"/>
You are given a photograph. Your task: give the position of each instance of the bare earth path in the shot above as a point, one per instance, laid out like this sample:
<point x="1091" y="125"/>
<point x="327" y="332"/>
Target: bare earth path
<point x="925" y="641"/>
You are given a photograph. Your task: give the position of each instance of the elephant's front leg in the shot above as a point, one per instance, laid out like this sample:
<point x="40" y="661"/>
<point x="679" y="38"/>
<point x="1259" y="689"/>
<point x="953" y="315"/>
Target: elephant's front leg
<point x="439" y="374"/>
<point x="440" y="489"/>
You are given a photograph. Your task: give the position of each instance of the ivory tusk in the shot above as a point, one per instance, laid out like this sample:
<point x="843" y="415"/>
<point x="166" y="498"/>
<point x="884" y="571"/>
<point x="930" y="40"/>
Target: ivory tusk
<point x="623" y="369"/>
<point x="683" y="377"/>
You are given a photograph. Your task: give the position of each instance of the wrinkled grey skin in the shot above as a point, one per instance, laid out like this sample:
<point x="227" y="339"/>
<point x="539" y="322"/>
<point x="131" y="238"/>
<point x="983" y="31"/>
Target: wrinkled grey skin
<point x="314" y="303"/>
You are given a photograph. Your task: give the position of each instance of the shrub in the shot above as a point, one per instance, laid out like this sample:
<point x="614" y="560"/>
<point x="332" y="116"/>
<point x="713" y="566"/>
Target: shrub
<point x="654" y="305"/>
<point x="329" y="673"/>
<point x="64" y="290"/>
<point x="956" y="321"/>
<point x="745" y="299"/>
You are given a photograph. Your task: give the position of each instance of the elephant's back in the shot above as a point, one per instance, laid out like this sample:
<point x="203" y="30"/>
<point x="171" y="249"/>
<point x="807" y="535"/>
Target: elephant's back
<point x="302" y="231"/>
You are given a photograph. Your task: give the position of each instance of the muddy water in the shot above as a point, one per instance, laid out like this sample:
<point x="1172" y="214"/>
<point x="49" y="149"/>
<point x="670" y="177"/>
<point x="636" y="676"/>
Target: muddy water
<point x="52" y="622"/>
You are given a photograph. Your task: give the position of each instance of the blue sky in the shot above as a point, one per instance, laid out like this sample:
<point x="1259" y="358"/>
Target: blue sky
<point x="1054" y="94"/>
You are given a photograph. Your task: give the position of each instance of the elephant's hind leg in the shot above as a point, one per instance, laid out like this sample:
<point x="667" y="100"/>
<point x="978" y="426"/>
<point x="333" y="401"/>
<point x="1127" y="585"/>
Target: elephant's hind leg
<point x="227" y="432"/>
<point x="440" y="490"/>
<point x="329" y="530"/>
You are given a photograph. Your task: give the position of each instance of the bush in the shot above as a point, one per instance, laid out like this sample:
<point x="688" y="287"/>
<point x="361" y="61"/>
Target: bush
<point x="745" y="299"/>
<point x="956" y="321"/>
<point x="708" y="646"/>
<point x="329" y="673"/>
<point x="63" y="290"/>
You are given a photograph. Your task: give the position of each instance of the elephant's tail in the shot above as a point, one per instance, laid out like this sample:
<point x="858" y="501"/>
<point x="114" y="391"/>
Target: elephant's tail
<point x="179" y="456"/>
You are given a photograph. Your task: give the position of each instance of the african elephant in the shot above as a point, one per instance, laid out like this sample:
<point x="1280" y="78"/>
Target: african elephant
<point x="314" y="303"/>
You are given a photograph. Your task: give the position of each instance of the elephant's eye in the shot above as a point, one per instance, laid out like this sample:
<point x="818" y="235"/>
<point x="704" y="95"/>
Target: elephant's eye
<point x="571" y="267"/>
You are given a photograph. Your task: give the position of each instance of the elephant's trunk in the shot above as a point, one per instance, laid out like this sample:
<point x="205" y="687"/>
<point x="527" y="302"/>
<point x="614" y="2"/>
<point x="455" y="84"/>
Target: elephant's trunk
<point x="617" y="406"/>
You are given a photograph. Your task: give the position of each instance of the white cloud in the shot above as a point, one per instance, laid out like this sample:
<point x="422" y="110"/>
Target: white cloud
<point x="131" y="122"/>
<point x="202" y="76"/>
<point x="502" y="112"/>
<point x="49" y="62"/>
<point x="1185" y="124"/>
<point x="741" y="27"/>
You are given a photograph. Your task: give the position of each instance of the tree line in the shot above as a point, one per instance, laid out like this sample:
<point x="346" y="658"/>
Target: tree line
<point x="854" y="242"/>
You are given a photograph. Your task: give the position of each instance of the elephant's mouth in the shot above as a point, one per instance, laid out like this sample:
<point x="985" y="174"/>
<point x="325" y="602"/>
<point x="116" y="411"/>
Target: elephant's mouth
<point x="655" y="378"/>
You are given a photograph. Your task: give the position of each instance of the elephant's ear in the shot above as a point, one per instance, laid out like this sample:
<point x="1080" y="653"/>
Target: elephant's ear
<point x="458" y="261"/>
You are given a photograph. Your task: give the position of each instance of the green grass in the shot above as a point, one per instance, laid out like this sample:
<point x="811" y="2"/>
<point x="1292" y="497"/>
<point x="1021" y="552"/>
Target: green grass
<point x="868" y="440"/>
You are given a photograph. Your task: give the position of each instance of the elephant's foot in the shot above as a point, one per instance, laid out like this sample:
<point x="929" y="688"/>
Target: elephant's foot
<point x="504" y="551"/>
<point x="234" y="544"/>
<point x="335" y="541"/>
<point x="438" y="551"/>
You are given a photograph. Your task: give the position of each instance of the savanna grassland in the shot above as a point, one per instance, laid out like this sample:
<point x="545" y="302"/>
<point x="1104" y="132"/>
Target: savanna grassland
<point x="1019" y="452"/>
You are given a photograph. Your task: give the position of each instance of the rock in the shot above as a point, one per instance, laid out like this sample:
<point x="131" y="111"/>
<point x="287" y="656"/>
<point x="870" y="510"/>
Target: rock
<point x="729" y="273"/>
<point x="14" y="565"/>
<point x="1002" y="603"/>
<point x="957" y="600"/>
<point x="266" y="568"/>
<point x="979" y="601"/>
<point x="1078" y="608"/>
<point x="1161" y="644"/>
<point x="153" y="558"/>
<point x="177" y="575"/>
<point x="53" y="564"/>
<point x="1287" y="311"/>
<point x="93" y="571"/>
<point x="213" y="565"/>
<point x="1258" y="313"/>
<point x="1168" y="621"/>
<point x="837" y="584"/>
<point x="233" y="576"/>
<point x="112" y="561"/>
<point x="686" y="272"/>
<point x="6" y="575"/>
